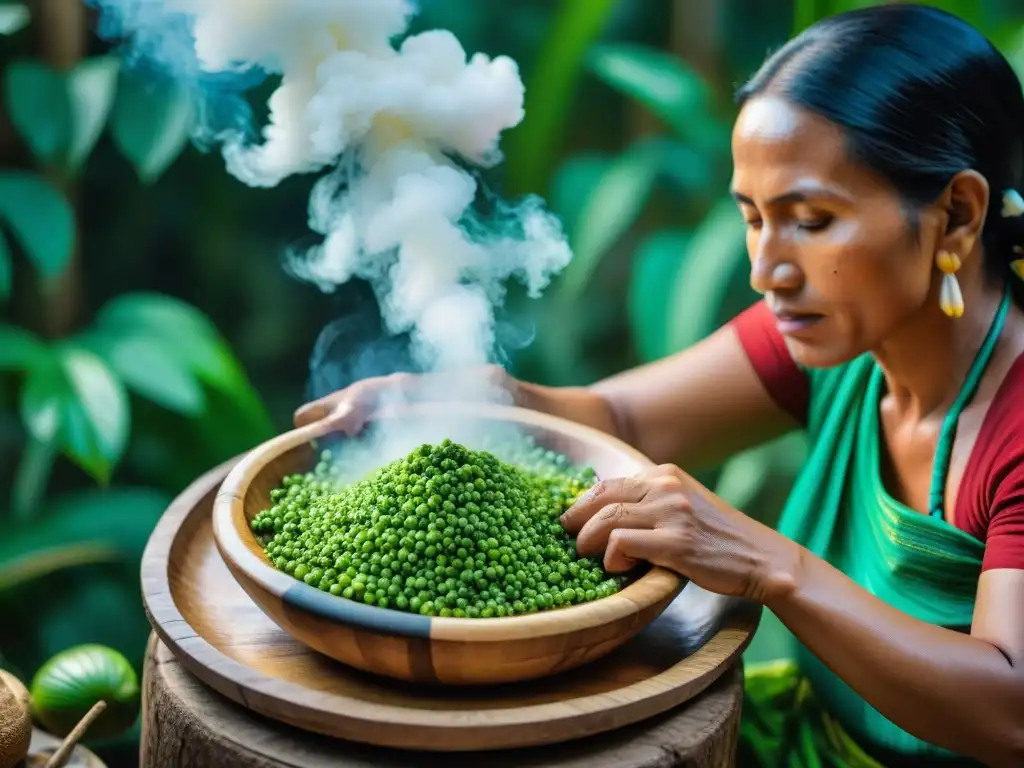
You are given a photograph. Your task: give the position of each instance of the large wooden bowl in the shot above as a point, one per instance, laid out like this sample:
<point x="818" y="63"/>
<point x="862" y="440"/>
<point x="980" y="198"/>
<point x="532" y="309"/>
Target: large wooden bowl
<point x="426" y="649"/>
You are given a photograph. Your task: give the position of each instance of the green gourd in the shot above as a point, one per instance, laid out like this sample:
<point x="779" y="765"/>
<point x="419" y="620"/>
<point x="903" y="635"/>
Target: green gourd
<point x="67" y="686"/>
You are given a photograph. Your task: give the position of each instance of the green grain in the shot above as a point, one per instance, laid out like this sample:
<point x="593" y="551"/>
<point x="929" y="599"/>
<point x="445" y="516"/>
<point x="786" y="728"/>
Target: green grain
<point x="445" y="531"/>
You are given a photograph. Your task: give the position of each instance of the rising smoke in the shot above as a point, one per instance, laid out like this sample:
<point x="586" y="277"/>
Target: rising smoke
<point x="394" y="122"/>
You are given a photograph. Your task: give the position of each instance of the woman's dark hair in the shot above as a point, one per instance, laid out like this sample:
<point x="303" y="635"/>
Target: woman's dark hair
<point x="922" y="95"/>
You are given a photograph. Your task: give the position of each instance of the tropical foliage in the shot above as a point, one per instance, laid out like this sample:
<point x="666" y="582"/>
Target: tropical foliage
<point x="105" y="414"/>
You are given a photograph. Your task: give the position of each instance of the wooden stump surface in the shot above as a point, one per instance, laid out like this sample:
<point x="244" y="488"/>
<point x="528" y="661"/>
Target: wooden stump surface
<point x="187" y="725"/>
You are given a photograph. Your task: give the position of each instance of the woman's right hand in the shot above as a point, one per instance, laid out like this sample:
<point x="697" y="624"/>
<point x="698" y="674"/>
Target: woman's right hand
<point x="348" y="410"/>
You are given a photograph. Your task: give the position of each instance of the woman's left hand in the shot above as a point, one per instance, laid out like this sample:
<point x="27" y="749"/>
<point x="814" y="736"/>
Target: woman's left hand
<point x="667" y="518"/>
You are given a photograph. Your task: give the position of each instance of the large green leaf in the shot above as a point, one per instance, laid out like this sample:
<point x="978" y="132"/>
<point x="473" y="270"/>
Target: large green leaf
<point x="38" y="105"/>
<point x="74" y="398"/>
<point x="653" y="273"/>
<point x="187" y="336"/>
<point x="667" y="87"/>
<point x="81" y="529"/>
<point x="32" y="476"/>
<point x="41" y="219"/>
<point x="151" y="368"/>
<point x="170" y="452"/>
<point x="114" y="519"/>
<point x="151" y="123"/>
<point x="61" y="115"/>
<point x="43" y="400"/>
<point x="572" y="184"/>
<point x="609" y="210"/>
<point x="177" y="325"/>
<point x="13" y="18"/>
<point x="24" y="568"/>
<point x="716" y="252"/>
<point x="65" y="543"/>
<point x="532" y="146"/>
<point x="690" y="172"/>
<point x="97" y="422"/>
<point x="613" y="194"/>
<point x="19" y="349"/>
<point x="91" y="87"/>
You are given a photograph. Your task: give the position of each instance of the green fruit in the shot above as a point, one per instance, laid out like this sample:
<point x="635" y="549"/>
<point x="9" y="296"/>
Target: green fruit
<point x="68" y="685"/>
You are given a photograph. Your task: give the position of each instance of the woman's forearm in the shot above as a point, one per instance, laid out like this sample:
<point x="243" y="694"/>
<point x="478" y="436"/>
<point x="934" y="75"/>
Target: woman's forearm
<point x="951" y="689"/>
<point x="694" y="408"/>
<point x="578" y="404"/>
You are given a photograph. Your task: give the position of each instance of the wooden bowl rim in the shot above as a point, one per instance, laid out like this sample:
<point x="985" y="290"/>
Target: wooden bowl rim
<point x="248" y="686"/>
<point x="231" y="532"/>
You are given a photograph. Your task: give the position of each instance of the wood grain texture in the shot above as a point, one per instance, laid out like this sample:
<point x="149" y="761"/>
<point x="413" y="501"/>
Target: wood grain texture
<point x="225" y="640"/>
<point x="187" y="725"/>
<point x="433" y="649"/>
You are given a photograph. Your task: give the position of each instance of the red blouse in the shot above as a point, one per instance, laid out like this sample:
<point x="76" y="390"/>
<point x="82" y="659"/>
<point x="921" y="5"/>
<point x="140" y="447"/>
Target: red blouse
<point x="990" y="502"/>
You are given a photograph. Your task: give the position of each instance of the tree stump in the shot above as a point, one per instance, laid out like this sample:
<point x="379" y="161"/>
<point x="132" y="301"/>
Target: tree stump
<point x="187" y="725"/>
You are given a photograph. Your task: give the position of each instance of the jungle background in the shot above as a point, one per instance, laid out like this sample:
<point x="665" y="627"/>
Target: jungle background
<point x="149" y="329"/>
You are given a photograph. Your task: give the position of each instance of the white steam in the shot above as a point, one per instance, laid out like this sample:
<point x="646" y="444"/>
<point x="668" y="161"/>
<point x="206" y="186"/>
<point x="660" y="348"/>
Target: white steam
<point x="392" y="120"/>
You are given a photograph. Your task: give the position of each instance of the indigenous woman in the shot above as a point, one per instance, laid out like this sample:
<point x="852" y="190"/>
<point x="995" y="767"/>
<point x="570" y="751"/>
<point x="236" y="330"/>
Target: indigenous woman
<point x="877" y="162"/>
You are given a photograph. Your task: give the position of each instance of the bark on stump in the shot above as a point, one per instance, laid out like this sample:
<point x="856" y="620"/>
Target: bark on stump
<point x="188" y="725"/>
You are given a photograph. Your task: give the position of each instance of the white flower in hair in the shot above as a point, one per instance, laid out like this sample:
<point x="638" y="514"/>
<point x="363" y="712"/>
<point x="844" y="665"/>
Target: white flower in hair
<point x="1013" y="203"/>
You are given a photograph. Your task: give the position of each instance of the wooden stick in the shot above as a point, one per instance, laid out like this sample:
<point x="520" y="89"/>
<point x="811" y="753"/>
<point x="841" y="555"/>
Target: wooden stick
<point x="71" y="740"/>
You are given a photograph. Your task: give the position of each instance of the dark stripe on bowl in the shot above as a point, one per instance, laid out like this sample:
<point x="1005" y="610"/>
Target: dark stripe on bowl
<point x="306" y="598"/>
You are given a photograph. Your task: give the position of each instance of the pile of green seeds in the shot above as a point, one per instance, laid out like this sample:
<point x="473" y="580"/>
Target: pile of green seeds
<point x="445" y="531"/>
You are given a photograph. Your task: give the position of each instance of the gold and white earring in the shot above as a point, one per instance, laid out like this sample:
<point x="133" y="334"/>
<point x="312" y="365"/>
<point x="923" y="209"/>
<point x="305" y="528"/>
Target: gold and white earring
<point x="951" y="300"/>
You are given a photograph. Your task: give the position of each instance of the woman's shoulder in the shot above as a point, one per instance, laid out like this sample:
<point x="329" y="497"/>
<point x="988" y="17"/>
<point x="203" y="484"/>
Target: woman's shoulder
<point x="786" y="383"/>
<point x="990" y="500"/>
<point x="802" y="392"/>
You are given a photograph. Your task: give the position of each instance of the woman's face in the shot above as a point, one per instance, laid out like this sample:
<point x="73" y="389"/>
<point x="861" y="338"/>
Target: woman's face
<point x="830" y="245"/>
